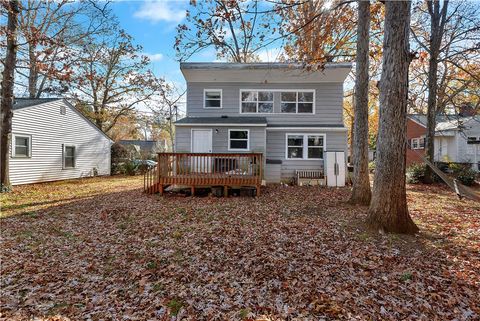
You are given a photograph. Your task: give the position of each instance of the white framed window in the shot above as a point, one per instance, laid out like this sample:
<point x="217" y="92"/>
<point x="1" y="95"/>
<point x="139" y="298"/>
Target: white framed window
<point x="297" y="102"/>
<point x="305" y="146"/>
<point x="417" y="143"/>
<point x="256" y="101"/>
<point x="21" y="146"/>
<point x="238" y="139"/>
<point x="69" y="156"/>
<point x="212" y="98"/>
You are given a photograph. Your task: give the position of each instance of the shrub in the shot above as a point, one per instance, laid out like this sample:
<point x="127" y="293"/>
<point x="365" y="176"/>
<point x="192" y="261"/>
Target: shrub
<point x="467" y="177"/>
<point x="416" y="173"/>
<point x="118" y="155"/>
<point x="371" y="166"/>
<point x="129" y="168"/>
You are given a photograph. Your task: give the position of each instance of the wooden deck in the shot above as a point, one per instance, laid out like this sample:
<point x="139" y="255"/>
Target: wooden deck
<point x="205" y="170"/>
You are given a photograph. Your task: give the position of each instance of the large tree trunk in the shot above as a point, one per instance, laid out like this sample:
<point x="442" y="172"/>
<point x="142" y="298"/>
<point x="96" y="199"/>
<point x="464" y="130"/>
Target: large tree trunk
<point x="388" y="209"/>
<point x="6" y="93"/>
<point x="437" y="23"/>
<point x="32" y="72"/>
<point x="361" y="193"/>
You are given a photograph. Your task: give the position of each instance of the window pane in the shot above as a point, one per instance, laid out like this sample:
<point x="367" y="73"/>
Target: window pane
<point x="212" y="103"/>
<point x="69" y="151"/>
<point x="249" y="96"/>
<point x="295" y="141"/>
<point x="238" y="144"/>
<point x="295" y="152"/>
<point x="68" y="161"/>
<point x="21" y="141"/>
<point x="265" y="107"/>
<point x="238" y="134"/>
<point x="265" y="96"/>
<point x="289" y="96"/>
<point x="315" y="152"/>
<point x="305" y="96"/>
<point x="288" y="107"/>
<point x="249" y="107"/>
<point x="21" y="151"/>
<point x="305" y="107"/>
<point x="315" y="141"/>
<point x="213" y="95"/>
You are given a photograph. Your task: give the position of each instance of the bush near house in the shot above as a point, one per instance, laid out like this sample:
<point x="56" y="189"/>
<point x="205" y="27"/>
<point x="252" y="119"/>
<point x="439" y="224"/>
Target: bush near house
<point x="464" y="174"/>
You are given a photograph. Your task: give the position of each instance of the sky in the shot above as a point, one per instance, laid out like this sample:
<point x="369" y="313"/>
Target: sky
<point x="153" y="26"/>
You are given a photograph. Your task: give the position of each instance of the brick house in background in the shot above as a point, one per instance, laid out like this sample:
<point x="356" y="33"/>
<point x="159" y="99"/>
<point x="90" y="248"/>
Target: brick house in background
<point x="416" y="132"/>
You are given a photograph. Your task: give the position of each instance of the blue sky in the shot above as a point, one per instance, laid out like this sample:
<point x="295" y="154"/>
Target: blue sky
<point x="152" y="24"/>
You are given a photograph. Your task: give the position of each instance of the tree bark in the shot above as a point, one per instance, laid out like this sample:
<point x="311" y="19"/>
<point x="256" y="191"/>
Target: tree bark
<point x="388" y="209"/>
<point x="361" y="193"/>
<point x="437" y="23"/>
<point x="6" y="93"/>
<point x="32" y="72"/>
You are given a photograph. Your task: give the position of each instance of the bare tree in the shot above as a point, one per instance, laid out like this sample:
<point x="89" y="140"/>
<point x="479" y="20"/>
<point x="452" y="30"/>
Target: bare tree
<point x="388" y="208"/>
<point x="112" y="79"/>
<point x="6" y="93"/>
<point x="361" y="193"/>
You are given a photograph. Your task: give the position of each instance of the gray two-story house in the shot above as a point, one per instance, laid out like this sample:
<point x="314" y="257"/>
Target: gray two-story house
<point x="291" y="115"/>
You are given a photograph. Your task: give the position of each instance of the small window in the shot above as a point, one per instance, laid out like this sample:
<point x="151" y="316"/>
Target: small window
<point x="69" y="157"/>
<point x="300" y="102"/>
<point x="256" y="101"/>
<point x="212" y="98"/>
<point x="63" y="110"/>
<point x="238" y="139"/>
<point x="21" y="145"/>
<point x="417" y="143"/>
<point x="305" y="146"/>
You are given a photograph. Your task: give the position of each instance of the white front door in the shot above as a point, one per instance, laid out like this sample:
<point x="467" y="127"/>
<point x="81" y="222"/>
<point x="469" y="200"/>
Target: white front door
<point x="201" y="143"/>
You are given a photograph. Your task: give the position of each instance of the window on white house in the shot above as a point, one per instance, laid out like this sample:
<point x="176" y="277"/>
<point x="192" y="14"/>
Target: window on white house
<point x="300" y="102"/>
<point x="238" y="139"/>
<point x="21" y="145"/>
<point x="212" y="98"/>
<point x="63" y="110"/>
<point x="305" y="146"/>
<point x="257" y="101"/>
<point x="69" y="157"/>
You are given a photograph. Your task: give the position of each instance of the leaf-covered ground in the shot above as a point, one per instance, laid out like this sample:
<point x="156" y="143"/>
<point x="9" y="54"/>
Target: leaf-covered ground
<point x="101" y="249"/>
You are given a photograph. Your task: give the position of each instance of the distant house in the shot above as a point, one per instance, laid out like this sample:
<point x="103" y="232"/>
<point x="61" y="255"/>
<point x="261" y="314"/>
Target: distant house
<point x="145" y="148"/>
<point x="52" y="140"/>
<point x="457" y="139"/>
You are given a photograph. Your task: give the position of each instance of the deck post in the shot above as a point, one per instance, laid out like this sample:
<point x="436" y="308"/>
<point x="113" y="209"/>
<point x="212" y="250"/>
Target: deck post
<point x="192" y="190"/>
<point x="225" y="191"/>
<point x="258" y="190"/>
<point x="161" y="188"/>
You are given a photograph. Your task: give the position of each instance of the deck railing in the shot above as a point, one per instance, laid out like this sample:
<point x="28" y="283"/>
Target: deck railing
<point x="207" y="169"/>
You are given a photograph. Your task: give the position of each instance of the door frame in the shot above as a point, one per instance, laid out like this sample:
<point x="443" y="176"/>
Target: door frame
<point x="201" y="129"/>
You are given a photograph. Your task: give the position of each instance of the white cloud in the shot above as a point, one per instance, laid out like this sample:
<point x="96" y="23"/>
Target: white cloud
<point x="156" y="11"/>
<point x="270" y="55"/>
<point x="154" y="57"/>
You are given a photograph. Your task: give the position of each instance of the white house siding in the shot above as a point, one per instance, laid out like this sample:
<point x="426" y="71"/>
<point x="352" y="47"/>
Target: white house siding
<point x="50" y="130"/>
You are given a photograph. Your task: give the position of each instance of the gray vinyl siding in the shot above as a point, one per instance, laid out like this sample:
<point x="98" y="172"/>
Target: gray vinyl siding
<point x="328" y="102"/>
<point x="220" y="139"/>
<point x="276" y="148"/>
<point x="50" y="130"/>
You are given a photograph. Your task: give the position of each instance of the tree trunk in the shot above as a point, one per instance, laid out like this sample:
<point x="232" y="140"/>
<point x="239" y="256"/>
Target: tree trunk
<point x="32" y="72"/>
<point x="6" y="92"/>
<point x="388" y="209"/>
<point x="436" y="32"/>
<point x="361" y="193"/>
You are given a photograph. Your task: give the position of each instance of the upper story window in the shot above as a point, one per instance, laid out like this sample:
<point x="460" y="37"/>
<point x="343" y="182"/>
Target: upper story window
<point x="256" y="101"/>
<point x="212" y="98"/>
<point x="305" y="146"/>
<point x="299" y="102"/>
<point x="418" y="143"/>
<point x="21" y="145"/>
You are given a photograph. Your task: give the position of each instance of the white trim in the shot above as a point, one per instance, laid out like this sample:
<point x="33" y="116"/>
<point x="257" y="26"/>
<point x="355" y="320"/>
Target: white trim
<point x="248" y="140"/>
<point x="74" y="156"/>
<point x="211" y="138"/>
<point x="220" y="125"/>
<point x="13" y="143"/>
<point x="277" y="90"/>
<point x="333" y="129"/>
<point x="305" y="145"/>
<point x="221" y="98"/>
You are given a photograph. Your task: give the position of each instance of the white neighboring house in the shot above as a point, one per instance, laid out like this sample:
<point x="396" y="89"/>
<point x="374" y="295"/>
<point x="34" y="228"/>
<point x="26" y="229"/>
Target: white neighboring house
<point x="458" y="140"/>
<point x="52" y="140"/>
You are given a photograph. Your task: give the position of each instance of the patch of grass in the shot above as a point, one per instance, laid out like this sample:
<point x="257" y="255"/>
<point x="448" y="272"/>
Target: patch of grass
<point x="364" y="236"/>
<point x="151" y="265"/>
<point x="175" y="306"/>
<point x="406" y="276"/>
<point x="177" y="235"/>
<point x="182" y="211"/>
<point x="243" y="313"/>
<point x="158" y="287"/>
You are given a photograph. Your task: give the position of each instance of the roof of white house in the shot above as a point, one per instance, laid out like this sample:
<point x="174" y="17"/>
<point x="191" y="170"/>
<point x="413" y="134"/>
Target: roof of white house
<point x="456" y="124"/>
<point x="264" y="72"/>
